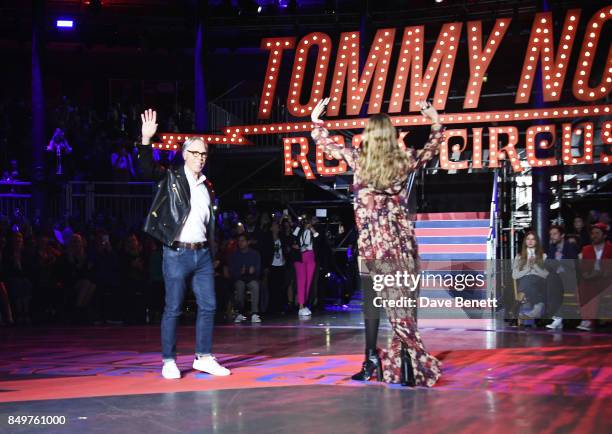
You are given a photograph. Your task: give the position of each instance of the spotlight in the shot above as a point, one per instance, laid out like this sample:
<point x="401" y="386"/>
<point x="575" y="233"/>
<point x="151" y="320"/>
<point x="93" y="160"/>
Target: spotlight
<point x="259" y="9"/>
<point x="439" y="1"/>
<point x="64" y="24"/>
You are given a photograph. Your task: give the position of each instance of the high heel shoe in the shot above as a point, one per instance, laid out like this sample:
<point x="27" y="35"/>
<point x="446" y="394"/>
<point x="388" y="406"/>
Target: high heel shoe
<point x="370" y="365"/>
<point x="406" y="370"/>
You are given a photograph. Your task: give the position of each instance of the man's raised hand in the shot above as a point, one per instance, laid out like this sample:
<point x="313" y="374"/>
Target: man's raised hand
<point x="149" y="125"/>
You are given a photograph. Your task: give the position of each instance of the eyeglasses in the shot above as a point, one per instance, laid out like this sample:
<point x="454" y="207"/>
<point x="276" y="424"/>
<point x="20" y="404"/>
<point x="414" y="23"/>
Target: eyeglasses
<point x="198" y="154"/>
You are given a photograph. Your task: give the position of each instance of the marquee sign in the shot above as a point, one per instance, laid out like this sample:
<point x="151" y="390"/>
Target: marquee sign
<point x="348" y="84"/>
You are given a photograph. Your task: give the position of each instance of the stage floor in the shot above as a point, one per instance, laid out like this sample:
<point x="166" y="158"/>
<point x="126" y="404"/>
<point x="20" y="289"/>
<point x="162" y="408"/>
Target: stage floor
<point x="292" y="375"/>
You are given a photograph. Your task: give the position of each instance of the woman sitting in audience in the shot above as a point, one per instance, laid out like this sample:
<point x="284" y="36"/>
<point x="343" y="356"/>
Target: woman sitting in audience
<point x="530" y="275"/>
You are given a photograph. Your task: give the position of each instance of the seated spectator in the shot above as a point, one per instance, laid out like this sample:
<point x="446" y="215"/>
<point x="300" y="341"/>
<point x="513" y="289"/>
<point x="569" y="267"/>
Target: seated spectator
<point x="155" y="280"/>
<point x="79" y="278"/>
<point x="596" y="273"/>
<point x="48" y="261"/>
<point x="244" y="270"/>
<point x="604" y="217"/>
<point x="18" y="269"/>
<point x="6" y="312"/>
<point x="529" y="272"/>
<point x="106" y="278"/>
<point x="581" y="230"/>
<point x="561" y="262"/>
<point x="223" y="284"/>
<point x="133" y="279"/>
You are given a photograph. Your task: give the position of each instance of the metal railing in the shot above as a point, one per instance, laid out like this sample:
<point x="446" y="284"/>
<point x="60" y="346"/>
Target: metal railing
<point x="127" y="202"/>
<point x="15" y="196"/>
<point x="244" y="111"/>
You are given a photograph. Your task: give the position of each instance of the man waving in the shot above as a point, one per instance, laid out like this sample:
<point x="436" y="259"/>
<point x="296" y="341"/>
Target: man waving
<point x="182" y="218"/>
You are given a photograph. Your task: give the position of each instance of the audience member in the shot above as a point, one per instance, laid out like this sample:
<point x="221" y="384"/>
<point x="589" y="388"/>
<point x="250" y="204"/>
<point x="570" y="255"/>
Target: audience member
<point x="530" y="275"/>
<point x="244" y="270"/>
<point x="596" y="274"/>
<point x="561" y="262"/>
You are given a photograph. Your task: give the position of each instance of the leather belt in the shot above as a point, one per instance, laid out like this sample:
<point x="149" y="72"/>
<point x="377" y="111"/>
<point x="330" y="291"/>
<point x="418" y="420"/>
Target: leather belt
<point x="190" y="246"/>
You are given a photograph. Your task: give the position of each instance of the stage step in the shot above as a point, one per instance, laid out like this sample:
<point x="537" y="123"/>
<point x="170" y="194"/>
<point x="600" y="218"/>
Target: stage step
<point x="450" y="244"/>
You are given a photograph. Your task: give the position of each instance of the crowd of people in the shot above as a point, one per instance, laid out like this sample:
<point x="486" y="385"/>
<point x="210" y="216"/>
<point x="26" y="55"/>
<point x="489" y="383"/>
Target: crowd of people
<point x="86" y="143"/>
<point x="576" y="263"/>
<point x="269" y="263"/>
<point x="106" y="273"/>
<point x="266" y="263"/>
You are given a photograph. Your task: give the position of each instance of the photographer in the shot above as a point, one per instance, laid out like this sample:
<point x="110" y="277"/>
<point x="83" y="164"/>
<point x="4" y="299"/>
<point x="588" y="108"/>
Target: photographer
<point x="60" y="147"/>
<point x="304" y="236"/>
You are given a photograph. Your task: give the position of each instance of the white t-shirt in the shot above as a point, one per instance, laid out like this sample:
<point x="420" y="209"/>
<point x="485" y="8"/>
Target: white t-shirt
<point x="278" y="258"/>
<point x="598" y="254"/>
<point x="305" y="240"/>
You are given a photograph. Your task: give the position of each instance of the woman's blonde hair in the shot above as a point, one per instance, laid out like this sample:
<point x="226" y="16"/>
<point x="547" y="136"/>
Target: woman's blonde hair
<point x="382" y="162"/>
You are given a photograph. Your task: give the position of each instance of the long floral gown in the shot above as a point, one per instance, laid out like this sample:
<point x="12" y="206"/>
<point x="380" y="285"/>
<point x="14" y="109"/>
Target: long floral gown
<point x="387" y="242"/>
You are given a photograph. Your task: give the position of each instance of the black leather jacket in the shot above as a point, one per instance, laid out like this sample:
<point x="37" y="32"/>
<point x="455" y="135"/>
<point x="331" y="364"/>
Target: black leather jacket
<point x="171" y="204"/>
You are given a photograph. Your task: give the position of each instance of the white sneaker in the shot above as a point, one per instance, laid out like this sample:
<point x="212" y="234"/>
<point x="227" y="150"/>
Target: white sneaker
<point x="557" y="323"/>
<point x="536" y="312"/>
<point x="585" y="325"/>
<point x="255" y="318"/>
<point x="170" y="371"/>
<point x="304" y="312"/>
<point x="209" y="365"/>
<point x="239" y="318"/>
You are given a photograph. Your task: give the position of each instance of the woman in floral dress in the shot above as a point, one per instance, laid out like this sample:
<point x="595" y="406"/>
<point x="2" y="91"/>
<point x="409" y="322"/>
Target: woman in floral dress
<point x="387" y="240"/>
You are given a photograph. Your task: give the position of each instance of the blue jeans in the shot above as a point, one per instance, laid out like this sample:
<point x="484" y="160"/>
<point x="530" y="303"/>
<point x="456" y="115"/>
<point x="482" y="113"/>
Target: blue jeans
<point x="179" y="265"/>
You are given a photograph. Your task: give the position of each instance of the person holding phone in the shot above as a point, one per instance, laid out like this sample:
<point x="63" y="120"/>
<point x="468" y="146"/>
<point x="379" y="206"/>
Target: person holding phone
<point x="304" y="236"/>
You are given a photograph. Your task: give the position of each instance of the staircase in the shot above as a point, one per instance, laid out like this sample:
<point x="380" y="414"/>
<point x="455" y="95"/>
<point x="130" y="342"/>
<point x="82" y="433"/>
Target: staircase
<point x="450" y="244"/>
<point x="453" y="246"/>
